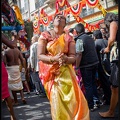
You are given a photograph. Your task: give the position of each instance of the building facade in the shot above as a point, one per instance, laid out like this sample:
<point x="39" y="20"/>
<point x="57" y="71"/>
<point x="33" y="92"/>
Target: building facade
<point x="90" y="15"/>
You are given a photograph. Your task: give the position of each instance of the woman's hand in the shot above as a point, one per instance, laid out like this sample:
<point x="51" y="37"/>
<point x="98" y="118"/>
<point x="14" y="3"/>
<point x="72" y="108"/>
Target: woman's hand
<point x="106" y="50"/>
<point x="63" y="59"/>
<point x="59" y="58"/>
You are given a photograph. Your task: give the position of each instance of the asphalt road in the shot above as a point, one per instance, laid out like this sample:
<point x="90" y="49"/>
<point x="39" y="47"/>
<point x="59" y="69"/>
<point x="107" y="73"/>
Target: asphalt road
<point x="38" y="108"/>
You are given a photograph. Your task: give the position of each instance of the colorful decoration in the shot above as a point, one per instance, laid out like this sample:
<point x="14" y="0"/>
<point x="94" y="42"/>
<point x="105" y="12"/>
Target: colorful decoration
<point x="11" y="15"/>
<point x="10" y="28"/>
<point x="64" y="12"/>
<point x="61" y="4"/>
<point x="42" y="13"/>
<point x="44" y="18"/>
<point x="78" y="19"/>
<point x="24" y="44"/>
<point x="13" y="18"/>
<point x="45" y="21"/>
<point x="18" y="14"/>
<point x="36" y="24"/>
<point x="102" y="9"/>
<point x="22" y="33"/>
<point x="92" y="3"/>
<point x="75" y="10"/>
<point x="8" y="13"/>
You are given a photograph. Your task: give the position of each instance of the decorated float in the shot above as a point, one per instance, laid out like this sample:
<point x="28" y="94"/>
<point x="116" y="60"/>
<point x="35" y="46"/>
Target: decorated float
<point x="12" y="20"/>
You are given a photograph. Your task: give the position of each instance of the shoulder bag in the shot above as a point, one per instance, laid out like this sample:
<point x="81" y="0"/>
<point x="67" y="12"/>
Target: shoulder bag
<point x="114" y="53"/>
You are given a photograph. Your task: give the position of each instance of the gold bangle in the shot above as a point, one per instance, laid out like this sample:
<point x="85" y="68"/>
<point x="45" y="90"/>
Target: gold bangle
<point x="51" y="61"/>
<point x="66" y="59"/>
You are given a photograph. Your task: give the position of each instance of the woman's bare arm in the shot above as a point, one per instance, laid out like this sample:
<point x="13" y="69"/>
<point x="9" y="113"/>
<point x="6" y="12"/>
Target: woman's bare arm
<point x="113" y="32"/>
<point x="71" y="53"/>
<point x="41" y="50"/>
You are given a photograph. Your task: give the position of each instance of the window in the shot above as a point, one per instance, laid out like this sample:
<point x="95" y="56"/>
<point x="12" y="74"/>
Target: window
<point x="86" y="11"/>
<point x="22" y="10"/>
<point x="26" y="5"/>
<point x="39" y="3"/>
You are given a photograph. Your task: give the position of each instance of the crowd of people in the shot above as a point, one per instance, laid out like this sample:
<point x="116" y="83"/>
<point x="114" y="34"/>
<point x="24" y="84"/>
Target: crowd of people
<point x="63" y="66"/>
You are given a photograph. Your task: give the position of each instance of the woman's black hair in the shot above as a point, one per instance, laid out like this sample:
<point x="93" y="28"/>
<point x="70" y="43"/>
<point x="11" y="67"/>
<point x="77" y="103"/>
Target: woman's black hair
<point x="109" y="18"/>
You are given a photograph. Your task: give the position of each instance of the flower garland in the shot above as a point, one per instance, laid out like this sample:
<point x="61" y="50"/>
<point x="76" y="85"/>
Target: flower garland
<point x="75" y="10"/>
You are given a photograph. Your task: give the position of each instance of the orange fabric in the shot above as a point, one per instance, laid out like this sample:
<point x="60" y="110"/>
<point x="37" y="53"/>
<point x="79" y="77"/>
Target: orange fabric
<point x="66" y="99"/>
<point x="18" y="14"/>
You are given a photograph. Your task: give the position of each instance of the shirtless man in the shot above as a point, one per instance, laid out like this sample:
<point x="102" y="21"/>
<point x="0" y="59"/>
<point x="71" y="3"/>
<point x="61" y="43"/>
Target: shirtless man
<point x="11" y="59"/>
<point x="5" y="92"/>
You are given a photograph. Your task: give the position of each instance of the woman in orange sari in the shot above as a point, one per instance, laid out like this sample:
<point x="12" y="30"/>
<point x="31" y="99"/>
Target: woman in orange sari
<point x="56" y="54"/>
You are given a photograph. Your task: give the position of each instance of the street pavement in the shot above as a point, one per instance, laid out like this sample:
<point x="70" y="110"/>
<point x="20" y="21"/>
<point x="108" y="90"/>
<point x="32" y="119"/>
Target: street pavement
<point x="38" y="108"/>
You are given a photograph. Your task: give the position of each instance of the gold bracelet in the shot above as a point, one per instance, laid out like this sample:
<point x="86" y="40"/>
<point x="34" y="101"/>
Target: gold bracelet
<point x="51" y="61"/>
<point x="66" y="59"/>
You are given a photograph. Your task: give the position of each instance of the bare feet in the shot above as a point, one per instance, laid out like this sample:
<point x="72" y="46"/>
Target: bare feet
<point x="106" y="114"/>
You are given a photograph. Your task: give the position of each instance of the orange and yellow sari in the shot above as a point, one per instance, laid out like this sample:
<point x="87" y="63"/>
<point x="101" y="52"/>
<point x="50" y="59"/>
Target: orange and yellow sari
<point x="66" y="98"/>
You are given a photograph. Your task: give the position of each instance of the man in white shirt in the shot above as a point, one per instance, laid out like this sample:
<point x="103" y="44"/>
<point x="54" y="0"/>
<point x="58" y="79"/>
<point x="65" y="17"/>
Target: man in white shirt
<point x="39" y="89"/>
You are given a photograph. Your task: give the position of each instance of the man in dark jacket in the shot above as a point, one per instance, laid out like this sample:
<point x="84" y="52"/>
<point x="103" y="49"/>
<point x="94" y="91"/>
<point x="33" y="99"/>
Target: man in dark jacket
<point x="87" y="61"/>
